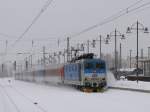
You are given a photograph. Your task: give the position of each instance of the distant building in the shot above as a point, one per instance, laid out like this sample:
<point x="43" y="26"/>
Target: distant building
<point x="110" y="61"/>
<point x="133" y="62"/>
<point x="146" y="66"/>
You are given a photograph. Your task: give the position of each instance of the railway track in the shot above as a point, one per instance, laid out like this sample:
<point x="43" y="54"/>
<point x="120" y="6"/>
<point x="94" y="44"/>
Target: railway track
<point x="8" y="103"/>
<point x="129" y="89"/>
<point x="18" y="101"/>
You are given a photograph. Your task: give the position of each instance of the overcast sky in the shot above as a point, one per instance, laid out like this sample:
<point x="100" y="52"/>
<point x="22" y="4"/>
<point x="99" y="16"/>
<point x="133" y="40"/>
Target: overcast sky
<point x="66" y="17"/>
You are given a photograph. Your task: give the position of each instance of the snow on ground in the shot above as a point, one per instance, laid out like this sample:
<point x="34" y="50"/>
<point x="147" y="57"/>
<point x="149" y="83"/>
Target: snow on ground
<point x="66" y="99"/>
<point x="110" y="78"/>
<point x="112" y="82"/>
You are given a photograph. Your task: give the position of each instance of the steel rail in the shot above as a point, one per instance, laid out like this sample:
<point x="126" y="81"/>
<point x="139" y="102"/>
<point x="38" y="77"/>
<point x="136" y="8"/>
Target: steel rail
<point x="130" y="89"/>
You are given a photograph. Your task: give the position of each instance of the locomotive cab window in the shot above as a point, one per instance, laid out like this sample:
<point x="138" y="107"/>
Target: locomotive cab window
<point x="89" y="66"/>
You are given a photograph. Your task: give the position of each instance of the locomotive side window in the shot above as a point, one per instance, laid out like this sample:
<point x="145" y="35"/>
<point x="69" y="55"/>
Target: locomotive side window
<point x="69" y="68"/>
<point x="72" y="68"/>
<point x="75" y="67"/>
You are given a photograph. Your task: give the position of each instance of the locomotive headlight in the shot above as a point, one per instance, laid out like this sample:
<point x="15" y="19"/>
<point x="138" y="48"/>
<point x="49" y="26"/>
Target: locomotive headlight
<point x="103" y="79"/>
<point x="87" y="79"/>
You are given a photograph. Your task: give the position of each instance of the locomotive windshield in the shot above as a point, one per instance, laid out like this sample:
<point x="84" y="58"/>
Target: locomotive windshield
<point x="91" y="66"/>
<point x="100" y="66"/>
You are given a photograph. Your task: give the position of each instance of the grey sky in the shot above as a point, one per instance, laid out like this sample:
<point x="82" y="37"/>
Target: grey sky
<point x="66" y="17"/>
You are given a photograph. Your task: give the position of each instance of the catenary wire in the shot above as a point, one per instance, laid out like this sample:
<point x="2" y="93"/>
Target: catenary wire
<point x="34" y="20"/>
<point x="113" y="17"/>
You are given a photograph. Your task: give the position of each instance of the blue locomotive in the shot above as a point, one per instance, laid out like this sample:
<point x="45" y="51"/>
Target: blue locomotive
<point x="85" y="72"/>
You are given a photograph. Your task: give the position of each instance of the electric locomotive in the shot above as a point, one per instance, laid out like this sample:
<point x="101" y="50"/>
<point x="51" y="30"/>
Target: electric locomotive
<point x="85" y="72"/>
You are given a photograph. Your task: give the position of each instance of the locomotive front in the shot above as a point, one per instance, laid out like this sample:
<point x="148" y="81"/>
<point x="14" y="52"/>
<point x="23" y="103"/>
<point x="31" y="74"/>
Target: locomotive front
<point x="94" y="73"/>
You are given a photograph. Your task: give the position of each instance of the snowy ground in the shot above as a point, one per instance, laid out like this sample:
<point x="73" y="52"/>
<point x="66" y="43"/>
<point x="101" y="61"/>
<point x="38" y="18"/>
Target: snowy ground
<point x="112" y="82"/>
<point x="18" y="96"/>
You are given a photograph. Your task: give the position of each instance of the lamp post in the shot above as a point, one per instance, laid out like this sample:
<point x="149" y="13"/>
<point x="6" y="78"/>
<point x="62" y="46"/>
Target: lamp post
<point x="115" y="34"/>
<point x="120" y="62"/>
<point x="138" y="27"/>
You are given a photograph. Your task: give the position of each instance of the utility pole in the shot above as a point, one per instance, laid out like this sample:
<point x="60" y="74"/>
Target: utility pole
<point x="68" y="49"/>
<point x="88" y="46"/>
<point x="100" y="44"/>
<point x="142" y="54"/>
<point x="58" y="59"/>
<point x="116" y="64"/>
<point x="32" y="53"/>
<point x="137" y="58"/>
<point x="64" y="55"/>
<point x="15" y="66"/>
<point x="120" y="64"/>
<point x="130" y="58"/>
<point x="44" y="57"/>
<point x="71" y="53"/>
<point x="2" y="67"/>
<point x="26" y="64"/>
<point x="30" y="60"/>
<point x="142" y="59"/>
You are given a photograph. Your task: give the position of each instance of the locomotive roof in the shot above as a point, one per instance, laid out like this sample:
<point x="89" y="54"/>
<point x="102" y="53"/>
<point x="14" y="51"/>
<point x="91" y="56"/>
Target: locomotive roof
<point x="84" y="56"/>
<point x="82" y="60"/>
